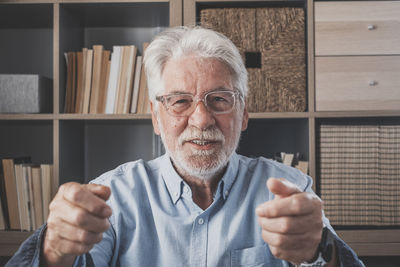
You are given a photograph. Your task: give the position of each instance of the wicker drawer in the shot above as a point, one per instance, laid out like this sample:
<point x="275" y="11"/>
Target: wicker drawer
<point x="357" y="83"/>
<point x="357" y="28"/>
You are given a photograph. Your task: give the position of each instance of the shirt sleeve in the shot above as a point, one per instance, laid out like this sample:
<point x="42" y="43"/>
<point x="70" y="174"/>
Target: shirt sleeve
<point x="29" y="252"/>
<point x="345" y="255"/>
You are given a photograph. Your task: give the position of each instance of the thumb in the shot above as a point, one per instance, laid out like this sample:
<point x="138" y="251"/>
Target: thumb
<point x="101" y="191"/>
<point x="281" y="187"/>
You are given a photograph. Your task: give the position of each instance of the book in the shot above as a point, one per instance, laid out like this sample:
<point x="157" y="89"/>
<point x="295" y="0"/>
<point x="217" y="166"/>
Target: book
<point x="3" y="198"/>
<point x="37" y="196"/>
<point x="96" y="76"/>
<point x="143" y="95"/>
<point x="88" y="62"/>
<point x="29" y="184"/>
<point x="11" y="190"/>
<point x="124" y="90"/>
<point x="135" y="90"/>
<point x="303" y="166"/>
<point x="130" y="73"/>
<point x="71" y="80"/>
<point x="23" y="200"/>
<point x="2" y="217"/>
<point x="113" y="79"/>
<point x="79" y="82"/>
<point x="47" y="181"/>
<point x="288" y="159"/>
<point x="104" y="76"/>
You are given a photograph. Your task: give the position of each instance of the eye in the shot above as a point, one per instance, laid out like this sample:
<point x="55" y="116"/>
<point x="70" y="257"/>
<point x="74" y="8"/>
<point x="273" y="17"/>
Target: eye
<point x="218" y="99"/>
<point x="179" y="100"/>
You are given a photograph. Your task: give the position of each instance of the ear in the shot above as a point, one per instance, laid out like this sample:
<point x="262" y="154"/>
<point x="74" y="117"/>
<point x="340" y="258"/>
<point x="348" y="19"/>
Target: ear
<point x="245" y="119"/>
<point x="154" y="119"/>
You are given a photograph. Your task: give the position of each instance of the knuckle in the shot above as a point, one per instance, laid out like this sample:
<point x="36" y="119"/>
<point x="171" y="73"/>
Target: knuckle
<point x="297" y="204"/>
<point x="74" y="193"/>
<point x="286" y="225"/>
<point x="80" y="217"/>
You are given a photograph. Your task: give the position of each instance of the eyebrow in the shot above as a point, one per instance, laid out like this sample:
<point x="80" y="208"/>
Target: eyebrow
<point x="212" y="90"/>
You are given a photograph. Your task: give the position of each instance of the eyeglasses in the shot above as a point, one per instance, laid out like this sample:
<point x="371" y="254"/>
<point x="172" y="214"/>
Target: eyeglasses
<point x="182" y="104"/>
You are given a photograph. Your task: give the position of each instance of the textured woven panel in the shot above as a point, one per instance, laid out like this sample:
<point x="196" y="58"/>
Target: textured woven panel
<point x="278" y="34"/>
<point x="360" y="174"/>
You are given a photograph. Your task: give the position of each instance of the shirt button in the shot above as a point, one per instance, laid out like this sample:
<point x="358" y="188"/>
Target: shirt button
<point x="186" y="189"/>
<point x="201" y="221"/>
<point x="226" y="193"/>
<point x="176" y="194"/>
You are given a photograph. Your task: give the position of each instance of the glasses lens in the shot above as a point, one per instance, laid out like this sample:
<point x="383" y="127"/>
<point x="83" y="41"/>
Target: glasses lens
<point x="220" y="101"/>
<point x="178" y="104"/>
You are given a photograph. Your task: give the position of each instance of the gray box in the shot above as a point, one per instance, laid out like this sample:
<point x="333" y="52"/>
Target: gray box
<point x="25" y="93"/>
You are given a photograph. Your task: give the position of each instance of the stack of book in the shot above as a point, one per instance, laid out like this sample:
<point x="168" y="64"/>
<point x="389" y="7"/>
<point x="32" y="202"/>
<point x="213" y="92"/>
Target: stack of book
<point x="25" y="193"/>
<point x="101" y="82"/>
<point x="360" y="174"/>
<point x="292" y="160"/>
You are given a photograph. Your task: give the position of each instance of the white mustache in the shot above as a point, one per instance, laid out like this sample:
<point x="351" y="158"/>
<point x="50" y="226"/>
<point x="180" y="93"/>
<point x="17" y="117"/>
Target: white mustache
<point x="210" y="134"/>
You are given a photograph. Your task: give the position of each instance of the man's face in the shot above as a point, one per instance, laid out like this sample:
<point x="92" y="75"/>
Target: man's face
<point x="201" y="143"/>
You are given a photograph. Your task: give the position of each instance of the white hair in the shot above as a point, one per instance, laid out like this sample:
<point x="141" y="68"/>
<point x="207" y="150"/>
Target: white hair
<point x="178" y="42"/>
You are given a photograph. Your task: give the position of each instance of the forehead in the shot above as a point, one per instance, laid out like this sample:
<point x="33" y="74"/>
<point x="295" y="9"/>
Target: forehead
<point x="195" y="75"/>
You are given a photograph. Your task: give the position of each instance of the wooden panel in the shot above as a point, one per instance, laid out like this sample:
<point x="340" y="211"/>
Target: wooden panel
<point x="376" y="249"/>
<point x="11" y="240"/>
<point x="357" y="83"/>
<point x="357" y="28"/>
<point x="372" y="242"/>
<point x="372" y="236"/>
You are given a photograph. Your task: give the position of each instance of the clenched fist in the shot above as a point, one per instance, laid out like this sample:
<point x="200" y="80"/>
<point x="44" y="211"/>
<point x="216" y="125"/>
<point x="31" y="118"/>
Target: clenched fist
<point x="292" y="222"/>
<point x="77" y="219"/>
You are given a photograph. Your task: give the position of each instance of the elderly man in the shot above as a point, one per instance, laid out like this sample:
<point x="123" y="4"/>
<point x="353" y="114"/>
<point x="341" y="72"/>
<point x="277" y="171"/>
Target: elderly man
<point x="200" y="204"/>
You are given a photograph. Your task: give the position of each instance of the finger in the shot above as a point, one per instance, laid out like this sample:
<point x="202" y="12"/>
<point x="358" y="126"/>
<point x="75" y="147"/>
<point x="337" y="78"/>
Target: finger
<point x="75" y="215"/>
<point x="295" y="205"/>
<point x="101" y="191"/>
<point x="75" y="234"/>
<point x="84" y="197"/>
<point x="291" y="224"/>
<point x="282" y="187"/>
<point x="64" y="246"/>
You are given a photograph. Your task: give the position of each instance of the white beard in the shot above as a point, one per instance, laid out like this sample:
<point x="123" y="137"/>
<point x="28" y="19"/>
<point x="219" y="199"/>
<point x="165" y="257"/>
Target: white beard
<point x="203" y="164"/>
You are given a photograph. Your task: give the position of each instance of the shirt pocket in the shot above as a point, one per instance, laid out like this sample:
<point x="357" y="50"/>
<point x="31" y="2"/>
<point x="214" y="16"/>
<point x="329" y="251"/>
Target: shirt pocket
<point x="250" y="257"/>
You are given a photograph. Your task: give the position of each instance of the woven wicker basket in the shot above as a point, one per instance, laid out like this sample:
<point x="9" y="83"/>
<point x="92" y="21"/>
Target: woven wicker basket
<point x="277" y="34"/>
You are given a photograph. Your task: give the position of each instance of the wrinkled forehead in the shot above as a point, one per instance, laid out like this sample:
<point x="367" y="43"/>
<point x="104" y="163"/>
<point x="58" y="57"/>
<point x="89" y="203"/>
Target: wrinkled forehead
<point x="195" y="75"/>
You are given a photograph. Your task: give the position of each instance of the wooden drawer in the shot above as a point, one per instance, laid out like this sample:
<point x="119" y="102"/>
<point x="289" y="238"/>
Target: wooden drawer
<point x="357" y="28"/>
<point x="357" y="83"/>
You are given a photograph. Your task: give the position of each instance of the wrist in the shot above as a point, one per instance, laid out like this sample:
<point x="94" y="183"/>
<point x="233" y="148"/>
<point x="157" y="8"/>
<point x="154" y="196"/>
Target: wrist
<point x="326" y="252"/>
<point x="50" y="257"/>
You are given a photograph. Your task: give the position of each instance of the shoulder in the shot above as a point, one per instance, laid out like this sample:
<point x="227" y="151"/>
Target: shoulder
<point x="129" y="174"/>
<point x="263" y="168"/>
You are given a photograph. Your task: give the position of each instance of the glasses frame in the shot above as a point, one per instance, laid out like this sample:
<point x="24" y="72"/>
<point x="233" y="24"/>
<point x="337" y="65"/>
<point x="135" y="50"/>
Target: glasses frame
<point x="197" y="99"/>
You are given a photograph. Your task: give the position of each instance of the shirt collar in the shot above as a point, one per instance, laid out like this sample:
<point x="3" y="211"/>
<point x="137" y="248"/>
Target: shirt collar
<point x="175" y="183"/>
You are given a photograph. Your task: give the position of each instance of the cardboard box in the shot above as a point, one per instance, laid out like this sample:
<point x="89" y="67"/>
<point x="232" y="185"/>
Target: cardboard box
<point x="25" y="93"/>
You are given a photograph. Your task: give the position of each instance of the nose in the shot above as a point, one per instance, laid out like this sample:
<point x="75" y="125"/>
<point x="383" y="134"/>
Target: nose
<point x="201" y="117"/>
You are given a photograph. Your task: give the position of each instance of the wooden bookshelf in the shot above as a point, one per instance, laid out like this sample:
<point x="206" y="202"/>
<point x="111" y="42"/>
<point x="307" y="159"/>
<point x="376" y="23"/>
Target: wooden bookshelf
<point x="82" y="146"/>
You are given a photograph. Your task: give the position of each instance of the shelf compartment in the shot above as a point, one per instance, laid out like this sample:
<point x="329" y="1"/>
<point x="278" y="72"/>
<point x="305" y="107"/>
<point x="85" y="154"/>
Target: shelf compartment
<point x="89" y="148"/>
<point x="358" y="170"/>
<point x="278" y="135"/>
<point x="26" y="33"/>
<point x="32" y="138"/>
<point x="108" y="24"/>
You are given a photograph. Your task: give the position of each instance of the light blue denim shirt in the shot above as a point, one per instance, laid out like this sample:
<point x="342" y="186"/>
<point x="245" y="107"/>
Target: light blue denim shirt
<point x="156" y="223"/>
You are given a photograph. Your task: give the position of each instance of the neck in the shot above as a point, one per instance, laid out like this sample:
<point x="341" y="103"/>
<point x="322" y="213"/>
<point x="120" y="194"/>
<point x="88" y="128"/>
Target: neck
<point x="203" y="189"/>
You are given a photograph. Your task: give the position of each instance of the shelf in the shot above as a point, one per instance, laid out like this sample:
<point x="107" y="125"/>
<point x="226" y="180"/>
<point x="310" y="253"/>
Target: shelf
<point x="372" y="242"/>
<point x="104" y="116"/>
<point x="10" y="241"/>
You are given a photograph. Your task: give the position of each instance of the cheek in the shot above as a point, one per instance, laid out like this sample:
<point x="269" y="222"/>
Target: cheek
<point x="173" y="128"/>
